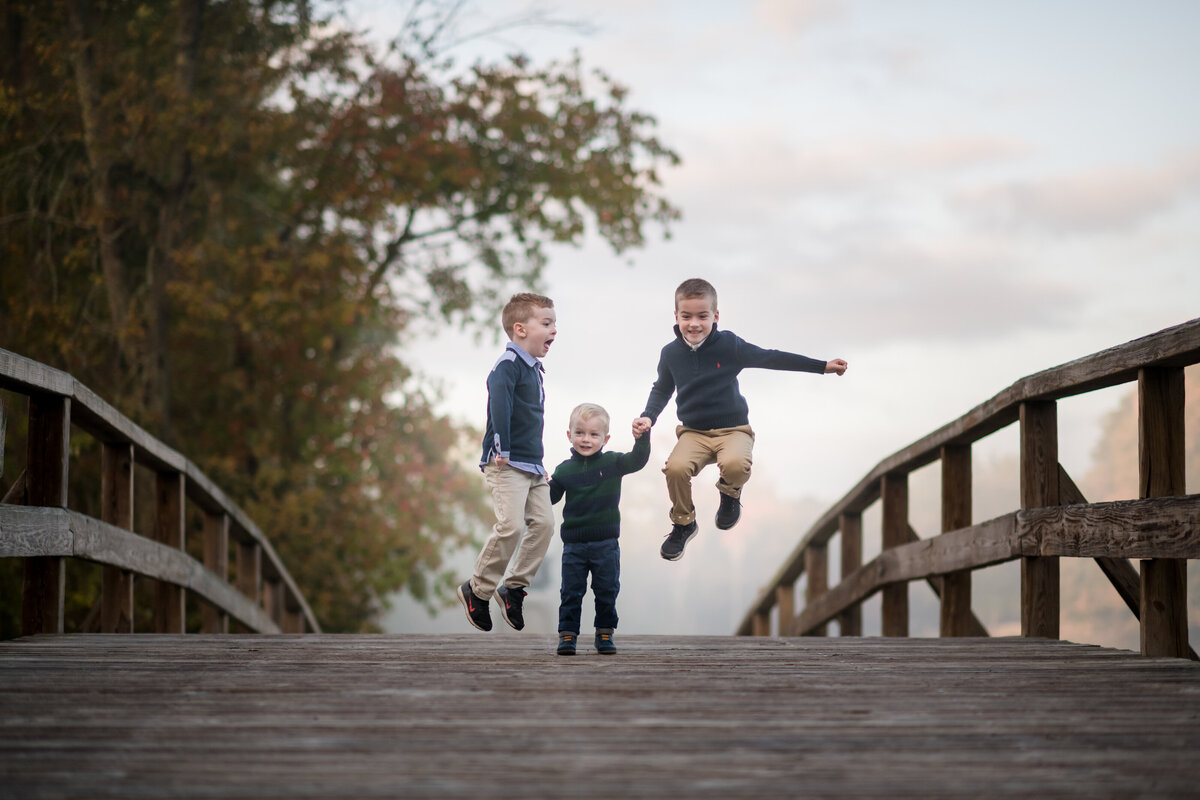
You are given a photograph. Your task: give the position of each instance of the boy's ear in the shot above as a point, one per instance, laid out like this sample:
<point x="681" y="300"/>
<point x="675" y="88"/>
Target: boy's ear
<point x="568" y="434"/>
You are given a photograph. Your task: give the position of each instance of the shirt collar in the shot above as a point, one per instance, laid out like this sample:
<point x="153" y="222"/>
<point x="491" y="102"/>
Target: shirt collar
<point x="524" y="356"/>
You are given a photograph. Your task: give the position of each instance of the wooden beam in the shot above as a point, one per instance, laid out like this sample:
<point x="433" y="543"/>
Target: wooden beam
<point x="46" y="485"/>
<point x="850" y="526"/>
<point x="1161" y="438"/>
<point x="216" y="560"/>
<point x="956" y="617"/>
<point x="785" y="601"/>
<point x="116" y="508"/>
<point x="762" y="625"/>
<point x="169" y="529"/>
<point x="1039" y="488"/>
<point x="816" y="564"/>
<point x="894" y="490"/>
<point x="1160" y="528"/>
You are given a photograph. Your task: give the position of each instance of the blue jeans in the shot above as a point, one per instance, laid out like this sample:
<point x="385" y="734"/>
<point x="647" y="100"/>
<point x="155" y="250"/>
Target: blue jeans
<point x="603" y="560"/>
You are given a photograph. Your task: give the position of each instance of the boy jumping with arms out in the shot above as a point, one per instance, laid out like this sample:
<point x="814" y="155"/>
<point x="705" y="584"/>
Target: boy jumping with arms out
<point x="701" y="365"/>
<point x="591" y="481"/>
<point x="512" y="466"/>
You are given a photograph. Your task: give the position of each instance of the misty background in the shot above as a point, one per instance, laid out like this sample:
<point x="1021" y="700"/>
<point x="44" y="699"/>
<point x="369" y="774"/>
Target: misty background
<point x="950" y="196"/>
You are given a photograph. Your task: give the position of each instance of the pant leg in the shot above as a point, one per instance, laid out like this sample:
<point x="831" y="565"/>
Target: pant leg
<point x="735" y="456"/>
<point x="539" y="530"/>
<point x="573" y="587"/>
<point x="691" y="454"/>
<point x="509" y="488"/>
<point x="606" y="581"/>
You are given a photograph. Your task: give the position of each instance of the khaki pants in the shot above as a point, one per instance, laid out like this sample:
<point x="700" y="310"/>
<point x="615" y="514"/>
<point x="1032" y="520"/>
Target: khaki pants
<point x="522" y="533"/>
<point x="731" y="449"/>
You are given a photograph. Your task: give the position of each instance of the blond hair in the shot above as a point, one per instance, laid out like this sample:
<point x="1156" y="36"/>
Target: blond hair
<point x="585" y="411"/>
<point x="521" y="307"/>
<point x="695" y="287"/>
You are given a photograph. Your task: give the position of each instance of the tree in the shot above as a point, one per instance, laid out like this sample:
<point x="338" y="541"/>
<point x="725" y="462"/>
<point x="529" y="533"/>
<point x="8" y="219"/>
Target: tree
<point x="227" y="218"/>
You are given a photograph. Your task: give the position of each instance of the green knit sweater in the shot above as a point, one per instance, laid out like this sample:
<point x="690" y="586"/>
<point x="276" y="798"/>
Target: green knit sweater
<point x="592" y="485"/>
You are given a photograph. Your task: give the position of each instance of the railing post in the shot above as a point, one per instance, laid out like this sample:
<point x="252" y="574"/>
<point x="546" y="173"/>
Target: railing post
<point x="169" y="528"/>
<point x="1039" y="489"/>
<point x="1161" y="473"/>
<point x="816" y="566"/>
<point x="249" y="569"/>
<point x="46" y="485"/>
<point x="216" y="559"/>
<point x="850" y="527"/>
<point x="272" y="599"/>
<point x="785" y="601"/>
<point x="894" y="491"/>
<point x="116" y="508"/>
<point x="955" y="618"/>
<point x="761" y="625"/>
<point x="293" y="618"/>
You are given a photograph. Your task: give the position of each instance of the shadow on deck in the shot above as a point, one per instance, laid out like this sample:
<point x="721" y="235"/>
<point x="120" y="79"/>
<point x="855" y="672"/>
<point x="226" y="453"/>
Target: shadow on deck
<point x="500" y="715"/>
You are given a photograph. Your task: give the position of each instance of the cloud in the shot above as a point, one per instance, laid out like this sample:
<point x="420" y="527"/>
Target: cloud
<point x="791" y="19"/>
<point x="747" y="159"/>
<point x="1115" y="199"/>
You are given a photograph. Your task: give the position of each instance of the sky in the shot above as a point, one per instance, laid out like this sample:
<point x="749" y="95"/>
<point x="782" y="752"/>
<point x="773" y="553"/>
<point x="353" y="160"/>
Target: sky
<point x="949" y="195"/>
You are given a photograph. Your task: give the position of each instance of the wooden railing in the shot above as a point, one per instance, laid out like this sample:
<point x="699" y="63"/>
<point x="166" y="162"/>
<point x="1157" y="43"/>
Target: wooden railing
<point x="37" y="526"/>
<point x="1162" y="529"/>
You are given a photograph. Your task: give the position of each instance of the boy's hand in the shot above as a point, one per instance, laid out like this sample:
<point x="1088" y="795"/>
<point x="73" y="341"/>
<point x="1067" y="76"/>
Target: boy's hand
<point x="640" y="426"/>
<point x="837" y="365"/>
<point x="500" y="461"/>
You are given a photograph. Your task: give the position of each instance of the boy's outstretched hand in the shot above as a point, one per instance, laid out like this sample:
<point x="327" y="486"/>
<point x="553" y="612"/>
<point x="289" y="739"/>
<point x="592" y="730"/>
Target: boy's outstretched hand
<point x="837" y="365"/>
<point x="640" y="426"/>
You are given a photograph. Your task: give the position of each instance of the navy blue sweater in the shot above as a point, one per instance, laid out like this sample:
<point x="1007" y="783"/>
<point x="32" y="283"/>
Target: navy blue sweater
<point x="516" y="414"/>
<point x="705" y="379"/>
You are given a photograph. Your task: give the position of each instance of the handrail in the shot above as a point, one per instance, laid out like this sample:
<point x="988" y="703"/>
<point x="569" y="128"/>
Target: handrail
<point x="266" y="599"/>
<point x="1156" y="362"/>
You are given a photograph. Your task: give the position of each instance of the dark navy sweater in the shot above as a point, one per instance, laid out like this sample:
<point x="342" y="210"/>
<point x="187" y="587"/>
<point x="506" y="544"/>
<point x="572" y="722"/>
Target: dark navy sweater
<point x="592" y="485"/>
<point x="705" y="379"/>
<point x="515" y="416"/>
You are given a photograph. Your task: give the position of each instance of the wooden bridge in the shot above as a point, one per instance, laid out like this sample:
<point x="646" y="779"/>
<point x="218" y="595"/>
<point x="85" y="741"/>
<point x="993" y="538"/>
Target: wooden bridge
<point x="303" y="714"/>
<point x="471" y="715"/>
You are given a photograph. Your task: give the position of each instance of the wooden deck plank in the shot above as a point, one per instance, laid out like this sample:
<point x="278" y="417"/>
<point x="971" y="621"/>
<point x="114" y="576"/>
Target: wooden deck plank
<point x="473" y="715"/>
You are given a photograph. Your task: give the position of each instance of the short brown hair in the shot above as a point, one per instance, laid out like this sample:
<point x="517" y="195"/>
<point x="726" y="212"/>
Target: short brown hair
<point x="695" y="287"/>
<point x="521" y="307"/>
<point x="586" y="411"/>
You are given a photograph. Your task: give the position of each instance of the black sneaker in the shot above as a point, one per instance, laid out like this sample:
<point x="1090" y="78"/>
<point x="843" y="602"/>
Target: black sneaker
<point x="677" y="539"/>
<point x="477" y="609"/>
<point x="566" y="644"/>
<point x="729" y="512"/>
<point x="604" y="642"/>
<point x="510" y="605"/>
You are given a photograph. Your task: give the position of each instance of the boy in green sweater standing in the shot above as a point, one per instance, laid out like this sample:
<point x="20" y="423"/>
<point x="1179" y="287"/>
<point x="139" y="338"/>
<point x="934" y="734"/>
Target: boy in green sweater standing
<point x="591" y="481"/>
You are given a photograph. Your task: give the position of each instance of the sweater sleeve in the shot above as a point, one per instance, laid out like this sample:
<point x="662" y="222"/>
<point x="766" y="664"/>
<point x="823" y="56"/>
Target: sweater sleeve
<point x="556" y="489"/>
<point x="636" y="458"/>
<point x="661" y="391"/>
<point x="751" y="356"/>
<point x="501" y="383"/>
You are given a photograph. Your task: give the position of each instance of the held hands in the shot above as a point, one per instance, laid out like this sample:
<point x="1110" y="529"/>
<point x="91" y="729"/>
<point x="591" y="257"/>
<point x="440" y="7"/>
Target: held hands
<point x="641" y="425"/>
<point x="837" y="365"/>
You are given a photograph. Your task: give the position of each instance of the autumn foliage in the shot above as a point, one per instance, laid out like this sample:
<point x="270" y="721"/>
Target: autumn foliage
<point x="228" y="218"/>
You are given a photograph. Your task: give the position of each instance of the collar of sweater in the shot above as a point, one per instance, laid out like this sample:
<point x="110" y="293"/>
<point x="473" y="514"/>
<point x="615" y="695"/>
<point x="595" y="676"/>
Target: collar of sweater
<point x="694" y="347"/>
<point x="577" y="456"/>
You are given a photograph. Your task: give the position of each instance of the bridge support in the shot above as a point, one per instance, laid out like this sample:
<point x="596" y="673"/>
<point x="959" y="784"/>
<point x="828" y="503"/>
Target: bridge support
<point x="894" y="490"/>
<point x="46" y="485"/>
<point x="850" y="527"/>
<point x="1039" y="488"/>
<point x="816" y="566"/>
<point x="116" y="507"/>
<point x="956" y="619"/>
<point x="1161" y="473"/>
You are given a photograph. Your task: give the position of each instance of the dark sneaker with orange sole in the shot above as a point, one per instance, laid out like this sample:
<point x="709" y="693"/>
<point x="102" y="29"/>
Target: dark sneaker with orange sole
<point x="477" y="609"/>
<point x="510" y="600"/>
